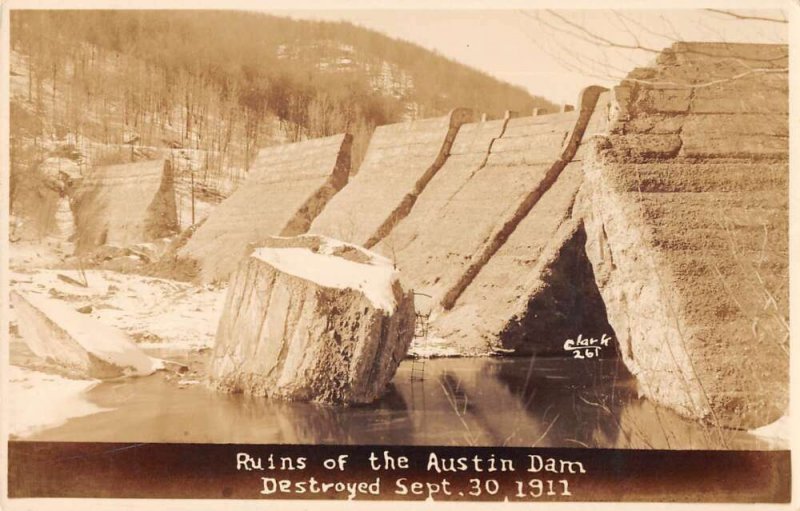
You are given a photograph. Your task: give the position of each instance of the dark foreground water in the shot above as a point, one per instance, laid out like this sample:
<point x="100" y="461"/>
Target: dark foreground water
<point x="468" y="401"/>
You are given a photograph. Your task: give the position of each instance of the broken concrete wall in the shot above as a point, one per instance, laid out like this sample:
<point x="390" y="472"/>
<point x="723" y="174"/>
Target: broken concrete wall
<point x="400" y="162"/>
<point x="537" y="291"/>
<point x="686" y="206"/>
<point x="64" y="220"/>
<point x="537" y="288"/>
<point x="286" y="189"/>
<point x="312" y="319"/>
<point x="122" y="205"/>
<point x="478" y="197"/>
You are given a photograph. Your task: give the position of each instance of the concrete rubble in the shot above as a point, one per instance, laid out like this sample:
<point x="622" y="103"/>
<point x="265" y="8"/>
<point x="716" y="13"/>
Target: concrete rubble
<point x="78" y="343"/>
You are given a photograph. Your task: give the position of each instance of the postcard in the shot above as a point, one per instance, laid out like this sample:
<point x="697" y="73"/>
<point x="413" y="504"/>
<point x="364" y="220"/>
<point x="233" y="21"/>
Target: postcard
<point x="378" y="253"/>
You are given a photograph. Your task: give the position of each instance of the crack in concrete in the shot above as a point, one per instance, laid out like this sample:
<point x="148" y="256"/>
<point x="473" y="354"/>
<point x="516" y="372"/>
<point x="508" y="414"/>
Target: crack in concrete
<point x="506" y="118"/>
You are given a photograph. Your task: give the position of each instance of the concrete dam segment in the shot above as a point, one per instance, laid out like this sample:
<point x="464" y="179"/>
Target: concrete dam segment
<point x="435" y="248"/>
<point x="125" y="204"/>
<point x="537" y="290"/>
<point x="496" y="173"/>
<point x="286" y="189"/>
<point x="419" y="244"/>
<point x="401" y="160"/>
<point x="686" y="211"/>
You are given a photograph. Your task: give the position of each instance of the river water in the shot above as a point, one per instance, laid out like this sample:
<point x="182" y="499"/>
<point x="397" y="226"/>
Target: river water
<point x="458" y="401"/>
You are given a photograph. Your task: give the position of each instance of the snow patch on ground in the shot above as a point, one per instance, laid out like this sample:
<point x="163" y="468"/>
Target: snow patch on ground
<point x="49" y="253"/>
<point x="155" y="312"/>
<point x="776" y="433"/>
<point x="48" y="281"/>
<point x="37" y="400"/>
<point x="374" y="278"/>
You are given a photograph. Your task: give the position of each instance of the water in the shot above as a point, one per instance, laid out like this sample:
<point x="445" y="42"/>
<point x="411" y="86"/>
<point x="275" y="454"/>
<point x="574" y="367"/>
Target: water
<point x="467" y="401"/>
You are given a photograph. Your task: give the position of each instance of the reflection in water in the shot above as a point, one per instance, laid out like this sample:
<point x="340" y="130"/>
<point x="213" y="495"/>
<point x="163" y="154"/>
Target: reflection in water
<point x="513" y="402"/>
<point x="574" y="403"/>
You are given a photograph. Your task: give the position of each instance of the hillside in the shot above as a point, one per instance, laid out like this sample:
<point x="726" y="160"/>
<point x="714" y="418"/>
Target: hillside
<point x="92" y="87"/>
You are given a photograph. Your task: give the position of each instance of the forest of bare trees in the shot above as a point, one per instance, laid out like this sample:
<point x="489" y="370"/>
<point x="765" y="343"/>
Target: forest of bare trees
<point x="221" y="84"/>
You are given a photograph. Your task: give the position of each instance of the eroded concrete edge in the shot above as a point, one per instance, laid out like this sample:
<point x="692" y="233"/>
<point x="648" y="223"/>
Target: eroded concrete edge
<point x="162" y="213"/>
<point x="301" y="221"/>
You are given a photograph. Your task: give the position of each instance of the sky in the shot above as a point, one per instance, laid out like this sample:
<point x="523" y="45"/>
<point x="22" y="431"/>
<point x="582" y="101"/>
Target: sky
<point x="556" y="53"/>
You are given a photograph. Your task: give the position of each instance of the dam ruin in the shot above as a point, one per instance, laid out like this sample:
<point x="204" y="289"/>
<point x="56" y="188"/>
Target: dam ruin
<point x="654" y="214"/>
<point x="400" y="162"/>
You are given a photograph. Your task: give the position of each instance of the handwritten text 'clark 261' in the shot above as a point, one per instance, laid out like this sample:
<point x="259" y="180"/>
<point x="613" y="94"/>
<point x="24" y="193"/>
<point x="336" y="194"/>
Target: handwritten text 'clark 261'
<point x="586" y="347"/>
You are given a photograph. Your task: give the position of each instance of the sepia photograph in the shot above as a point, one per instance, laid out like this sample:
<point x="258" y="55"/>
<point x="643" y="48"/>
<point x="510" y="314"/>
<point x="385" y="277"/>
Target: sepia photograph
<point x="526" y="252"/>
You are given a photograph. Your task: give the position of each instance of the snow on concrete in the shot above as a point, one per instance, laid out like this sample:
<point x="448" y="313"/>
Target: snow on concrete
<point x="375" y="278"/>
<point x="43" y="321"/>
<point x="308" y="319"/>
<point x="37" y="400"/>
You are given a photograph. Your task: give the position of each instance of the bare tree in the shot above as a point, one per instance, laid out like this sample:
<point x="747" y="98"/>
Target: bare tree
<point x="617" y="41"/>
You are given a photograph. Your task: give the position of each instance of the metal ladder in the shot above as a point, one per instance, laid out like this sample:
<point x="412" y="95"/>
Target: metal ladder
<point x="421" y="324"/>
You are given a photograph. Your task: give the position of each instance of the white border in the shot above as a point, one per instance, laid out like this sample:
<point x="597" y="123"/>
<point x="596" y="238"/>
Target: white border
<point x="792" y="11"/>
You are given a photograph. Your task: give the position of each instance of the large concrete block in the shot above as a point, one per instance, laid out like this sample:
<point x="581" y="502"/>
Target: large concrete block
<point x="312" y="319"/>
<point x="287" y="188"/>
<point x="657" y="308"/>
